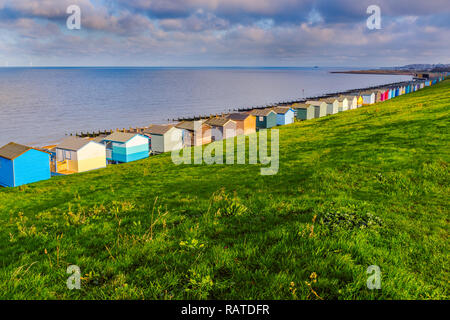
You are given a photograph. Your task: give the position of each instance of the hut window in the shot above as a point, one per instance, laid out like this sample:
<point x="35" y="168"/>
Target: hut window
<point x="67" y="155"/>
<point x="261" y="118"/>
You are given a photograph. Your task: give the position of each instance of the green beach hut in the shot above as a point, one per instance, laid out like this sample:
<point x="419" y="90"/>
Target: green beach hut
<point x="304" y="111"/>
<point x="265" y="118"/>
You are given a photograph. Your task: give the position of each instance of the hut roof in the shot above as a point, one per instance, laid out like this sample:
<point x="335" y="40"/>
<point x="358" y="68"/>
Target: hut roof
<point x="218" y="122"/>
<point x="314" y="103"/>
<point x="158" y="129"/>
<point x="302" y="106"/>
<point x="188" y="125"/>
<point x="13" y="150"/>
<point x="120" y="136"/>
<point x="329" y="100"/>
<point x="261" y="112"/>
<point x="73" y="143"/>
<point x="281" y="110"/>
<point x="239" y="116"/>
<point x="349" y="96"/>
<point x="99" y="139"/>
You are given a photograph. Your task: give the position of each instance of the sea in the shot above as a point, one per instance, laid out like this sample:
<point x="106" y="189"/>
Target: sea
<point x="40" y="106"/>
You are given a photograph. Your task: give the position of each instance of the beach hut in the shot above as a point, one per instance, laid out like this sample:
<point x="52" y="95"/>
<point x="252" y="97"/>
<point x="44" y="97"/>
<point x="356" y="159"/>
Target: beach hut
<point x="392" y="92"/>
<point x="304" y="111"/>
<point x="397" y="91"/>
<point x="265" y="118"/>
<point x="245" y="123"/>
<point x="320" y="108"/>
<point x="123" y="147"/>
<point x="332" y="105"/>
<point x="195" y="133"/>
<point x="360" y="101"/>
<point x="379" y="96"/>
<point x="352" y="101"/>
<point x="21" y="165"/>
<point x="343" y="103"/>
<point x="389" y="94"/>
<point x="368" y="97"/>
<point x="221" y="128"/>
<point x="285" y="115"/>
<point x="164" y="138"/>
<point x="74" y="155"/>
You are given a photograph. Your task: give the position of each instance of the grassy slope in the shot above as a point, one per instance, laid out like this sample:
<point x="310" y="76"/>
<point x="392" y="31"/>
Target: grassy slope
<point x="382" y="169"/>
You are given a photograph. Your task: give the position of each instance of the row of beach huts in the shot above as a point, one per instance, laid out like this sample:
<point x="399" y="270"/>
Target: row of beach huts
<point x="21" y="164"/>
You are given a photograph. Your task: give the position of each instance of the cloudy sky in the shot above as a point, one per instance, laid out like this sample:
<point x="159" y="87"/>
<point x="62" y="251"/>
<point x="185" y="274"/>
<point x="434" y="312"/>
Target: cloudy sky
<point x="224" y="33"/>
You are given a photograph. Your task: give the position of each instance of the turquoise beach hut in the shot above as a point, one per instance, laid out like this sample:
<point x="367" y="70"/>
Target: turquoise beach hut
<point x="265" y="118"/>
<point x="391" y="93"/>
<point x="21" y="165"/>
<point x="285" y="115"/>
<point x="122" y="147"/>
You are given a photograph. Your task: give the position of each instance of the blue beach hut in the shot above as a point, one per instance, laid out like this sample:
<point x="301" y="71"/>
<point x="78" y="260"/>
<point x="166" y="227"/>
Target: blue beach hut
<point x="122" y="147"/>
<point x="285" y="115"/>
<point x="21" y="165"/>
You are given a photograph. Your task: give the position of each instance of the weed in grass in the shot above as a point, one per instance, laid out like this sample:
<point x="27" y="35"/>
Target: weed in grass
<point x="225" y="205"/>
<point x="199" y="286"/>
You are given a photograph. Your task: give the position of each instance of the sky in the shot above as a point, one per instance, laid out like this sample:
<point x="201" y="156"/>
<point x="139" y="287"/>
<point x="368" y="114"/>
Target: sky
<point x="224" y="33"/>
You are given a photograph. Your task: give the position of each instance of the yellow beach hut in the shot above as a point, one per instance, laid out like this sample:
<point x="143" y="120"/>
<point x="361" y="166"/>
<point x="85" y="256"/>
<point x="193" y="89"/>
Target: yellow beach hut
<point x="74" y="155"/>
<point x="360" y="101"/>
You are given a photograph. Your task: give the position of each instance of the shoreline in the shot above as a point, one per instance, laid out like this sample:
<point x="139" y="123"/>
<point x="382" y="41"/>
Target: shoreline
<point x="88" y="134"/>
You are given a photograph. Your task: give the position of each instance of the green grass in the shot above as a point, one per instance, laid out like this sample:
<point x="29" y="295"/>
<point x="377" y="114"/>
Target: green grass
<point x="364" y="187"/>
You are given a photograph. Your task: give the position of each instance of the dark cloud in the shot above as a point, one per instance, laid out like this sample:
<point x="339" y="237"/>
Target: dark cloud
<point x="221" y="32"/>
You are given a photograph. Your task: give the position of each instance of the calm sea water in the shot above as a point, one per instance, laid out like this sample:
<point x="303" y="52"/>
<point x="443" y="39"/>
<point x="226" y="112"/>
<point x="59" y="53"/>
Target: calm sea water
<point x="40" y="105"/>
